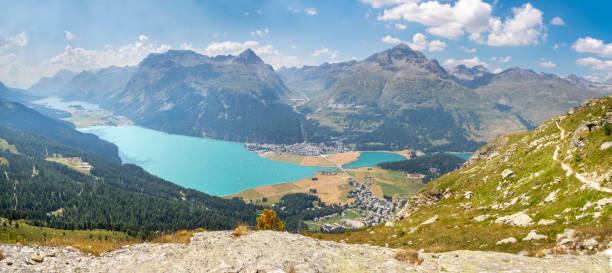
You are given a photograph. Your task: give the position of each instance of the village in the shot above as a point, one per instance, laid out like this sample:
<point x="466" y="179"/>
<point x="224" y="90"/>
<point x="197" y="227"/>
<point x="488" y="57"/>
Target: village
<point x="373" y="210"/>
<point x="302" y="149"/>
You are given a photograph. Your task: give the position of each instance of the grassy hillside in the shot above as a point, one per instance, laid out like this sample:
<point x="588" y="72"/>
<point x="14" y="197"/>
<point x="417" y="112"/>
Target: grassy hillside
<point x="18" y="117"/>
<point x="110" y="196"/>
<point x="554" y="178"/>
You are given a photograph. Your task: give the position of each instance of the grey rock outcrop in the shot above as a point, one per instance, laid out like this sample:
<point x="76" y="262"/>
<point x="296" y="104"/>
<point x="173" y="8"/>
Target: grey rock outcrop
<point x="519" y="219"/>
<point x="269" y="251"/>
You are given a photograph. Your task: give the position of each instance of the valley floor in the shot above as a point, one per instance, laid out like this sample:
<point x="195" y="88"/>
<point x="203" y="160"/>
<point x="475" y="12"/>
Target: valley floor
<point x="268" y="251"/>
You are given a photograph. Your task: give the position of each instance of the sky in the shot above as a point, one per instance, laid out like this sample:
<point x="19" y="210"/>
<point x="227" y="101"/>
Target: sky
<point x="38" y="38"/>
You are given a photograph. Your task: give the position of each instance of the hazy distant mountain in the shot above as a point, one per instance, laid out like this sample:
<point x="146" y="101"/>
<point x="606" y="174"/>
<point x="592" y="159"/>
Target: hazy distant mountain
<point x="12" y="94"/>
<point x="97" y="85"/>
<point x="236" y="98"/>
<point x="470" y="77"/>
<point x="48" y="86"/>
<point x="601" y="87"/>
<point x="312" y="80"/>
<point x="18" y="117"/>
<point x="535" y="96"/>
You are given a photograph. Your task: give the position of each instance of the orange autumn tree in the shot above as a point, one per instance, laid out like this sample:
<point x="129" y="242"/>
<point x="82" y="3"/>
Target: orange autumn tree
<point x="269" y="221"/>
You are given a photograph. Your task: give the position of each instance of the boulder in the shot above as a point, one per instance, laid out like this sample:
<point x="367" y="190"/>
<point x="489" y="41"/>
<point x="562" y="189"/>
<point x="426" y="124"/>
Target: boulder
<point x="468" y="195"/>
<point x="534" y="236"/>
<point x="590" y="243"/>
<point x="519" y="219"/>
<point x="605" y="145"/>
<point x="566" y="237"/>
<point x="481" y="218"/>
<point x="546" y="222"/>
<point x="510" y="240"/>
<point x="552" y="197"/>
<point x="38" y="259"/>
<point x="430" y="220"/>
<point x="507" y="173"/>
<point x="603" y="202"/>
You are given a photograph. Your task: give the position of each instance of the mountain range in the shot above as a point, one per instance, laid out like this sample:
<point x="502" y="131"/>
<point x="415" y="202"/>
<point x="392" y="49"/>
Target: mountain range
<point x="395" y="99"/>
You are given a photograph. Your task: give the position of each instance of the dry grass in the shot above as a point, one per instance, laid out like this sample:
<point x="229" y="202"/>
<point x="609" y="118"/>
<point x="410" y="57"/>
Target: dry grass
<point x="179" y="237"/>
<point x="1" y="255"/>
<point x="95" y="247"/>
<point x="291" y="269"/>
<point x="241" y="229"/>
<point x="344" y="158"/>
<point x="408" y="256"/>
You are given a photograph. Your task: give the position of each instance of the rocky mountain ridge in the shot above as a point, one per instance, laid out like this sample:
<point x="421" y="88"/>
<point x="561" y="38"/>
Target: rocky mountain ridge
<point x="395" y="99"/>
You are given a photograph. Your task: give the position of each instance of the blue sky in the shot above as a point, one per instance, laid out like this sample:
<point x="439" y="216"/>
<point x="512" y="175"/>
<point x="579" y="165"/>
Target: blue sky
<point x="37" y="38"/>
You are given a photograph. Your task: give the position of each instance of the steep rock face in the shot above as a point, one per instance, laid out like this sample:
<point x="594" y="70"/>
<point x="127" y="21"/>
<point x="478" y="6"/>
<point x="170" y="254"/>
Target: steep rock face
<point x="470" y="77"/>
<point x="533" y="96"/>
<point x="399" y="99"/>
<point x="269" y="251"/>
<point x="237" y="98"/>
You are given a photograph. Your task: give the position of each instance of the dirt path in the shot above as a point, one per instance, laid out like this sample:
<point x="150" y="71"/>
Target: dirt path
<point x="569" y="171"/>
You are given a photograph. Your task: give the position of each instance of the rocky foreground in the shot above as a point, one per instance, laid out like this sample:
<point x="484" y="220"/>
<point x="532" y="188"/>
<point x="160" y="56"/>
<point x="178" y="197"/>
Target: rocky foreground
<point x="268" y="251"/>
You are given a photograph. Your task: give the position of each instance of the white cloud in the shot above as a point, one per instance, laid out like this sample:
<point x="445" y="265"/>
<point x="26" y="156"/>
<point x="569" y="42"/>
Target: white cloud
<point x="307" y="11"/>
<point x="468" y="50"/>
<point x="15" y="73"/>
<point x="557" y="21"/>
<point x="504" y="60"/>
<point x="445" y="20"/>
<point x="419" y="42"/>
<point x="595" y="63"/>
<point x="497" y="70"/>
<point x="592" y="78"/>
<point x="260" y="33"/>
<point x="18" y="40"/>
<point x="383" y="3"/>
<point x="390" y="40"/>
<point x="310" y="11"/>
<point x="467" y="62"/>
<point x="555" y="47"/>
<point x="592" y="45"/>
<point x="325" y="51"/>
<point x="400" y="26"/>
<point x="69" y="35"/>
<point x="266" y="52"/>
<point x="437" y="45"/>
<point x="475" y="17"/>
<point x="548" y="64"/>
<point x="523" y="29"/>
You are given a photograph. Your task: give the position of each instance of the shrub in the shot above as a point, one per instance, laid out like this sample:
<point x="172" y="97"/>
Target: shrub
<point x="269" y="221"/>
<point x="607" y="129"/>
<point x="241" y="229"/>
<point x="408" y="256"/>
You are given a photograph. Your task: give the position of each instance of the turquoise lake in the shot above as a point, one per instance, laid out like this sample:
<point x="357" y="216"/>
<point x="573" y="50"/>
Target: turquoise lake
<point x="211" y="166"/>
<point x="372" y="159"/>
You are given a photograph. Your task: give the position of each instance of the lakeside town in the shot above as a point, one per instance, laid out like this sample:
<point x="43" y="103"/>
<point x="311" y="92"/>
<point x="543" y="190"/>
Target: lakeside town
<point x="373" y="210"/>
<point x="302" y="149"/>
